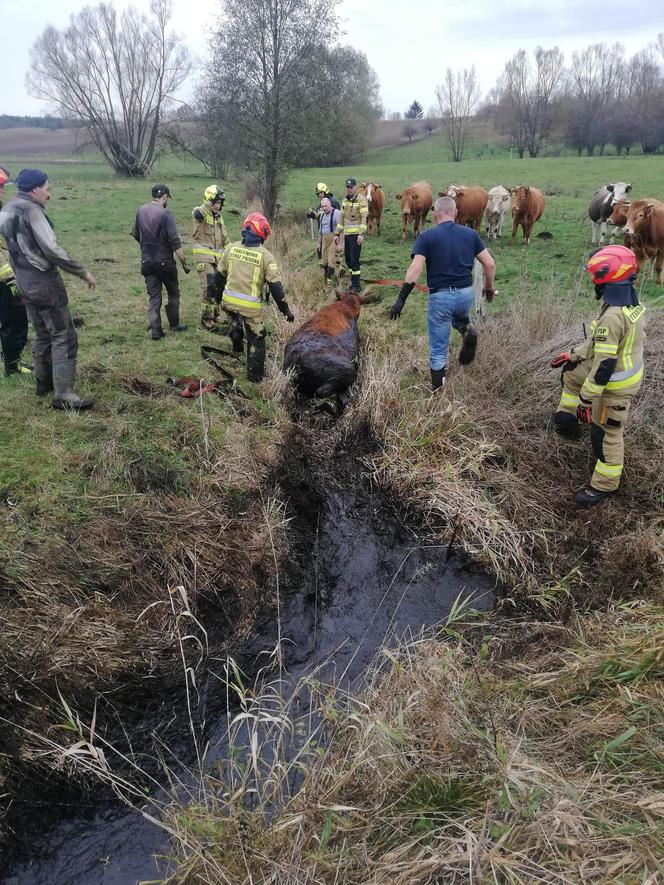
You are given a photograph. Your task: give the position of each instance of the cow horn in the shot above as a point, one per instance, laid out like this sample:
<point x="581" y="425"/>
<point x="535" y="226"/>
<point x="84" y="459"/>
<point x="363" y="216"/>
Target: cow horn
<point x="398" y="196"/>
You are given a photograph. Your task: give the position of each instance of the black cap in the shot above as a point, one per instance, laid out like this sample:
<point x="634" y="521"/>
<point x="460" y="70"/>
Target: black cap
<point x="350" y="182"/>
<point x="159" y="190"/>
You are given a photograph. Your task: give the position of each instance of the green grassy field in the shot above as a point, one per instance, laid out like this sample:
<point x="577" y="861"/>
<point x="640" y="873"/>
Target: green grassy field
<point x="102" y="513"/>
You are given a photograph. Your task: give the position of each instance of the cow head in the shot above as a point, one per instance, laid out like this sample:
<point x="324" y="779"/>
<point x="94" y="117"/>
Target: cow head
<point x="366" y="189"/>
<point x="408" y="200"/>
<point x="637" y="216"/>
<point x="353" y="300"/>
<point x="619" y="213"/>
<point x="521" y="194"/>
<point x="618" y="190"/>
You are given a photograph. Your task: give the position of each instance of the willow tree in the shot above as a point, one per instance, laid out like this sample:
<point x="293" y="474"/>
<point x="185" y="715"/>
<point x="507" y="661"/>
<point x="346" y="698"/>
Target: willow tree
<point x="114" y="75"/>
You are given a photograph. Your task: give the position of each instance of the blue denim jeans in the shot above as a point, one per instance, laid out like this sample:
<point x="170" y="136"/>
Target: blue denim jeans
<point x="447" y="307"/>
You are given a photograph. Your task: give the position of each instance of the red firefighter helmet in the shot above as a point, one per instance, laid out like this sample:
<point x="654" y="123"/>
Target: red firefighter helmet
<point x="612" y="264"/>
<point x="258" y="224"/>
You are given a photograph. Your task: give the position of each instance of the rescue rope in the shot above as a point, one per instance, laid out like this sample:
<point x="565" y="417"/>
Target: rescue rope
<point x="418" y="286"/>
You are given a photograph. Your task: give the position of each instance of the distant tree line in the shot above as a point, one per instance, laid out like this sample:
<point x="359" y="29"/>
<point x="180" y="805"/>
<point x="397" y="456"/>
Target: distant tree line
<point x="600" y="98"/>
<point x="8" y="121"/>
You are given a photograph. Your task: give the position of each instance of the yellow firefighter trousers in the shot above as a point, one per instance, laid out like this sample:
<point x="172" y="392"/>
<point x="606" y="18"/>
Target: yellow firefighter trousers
<point x="608" y="424"/>
<point x="329" y="255"/>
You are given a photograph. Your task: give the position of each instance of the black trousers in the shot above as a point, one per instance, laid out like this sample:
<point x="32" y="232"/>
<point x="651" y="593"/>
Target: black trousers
<point x="352" y="250"/>
<point x="156" y="275"/>
<point x="13" y="327"/>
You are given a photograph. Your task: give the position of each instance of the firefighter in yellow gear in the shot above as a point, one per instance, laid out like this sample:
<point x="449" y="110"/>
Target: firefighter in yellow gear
<point x="13" y="315"/>
<point x="209" y="239"/>
<point x="352" y="227"/>
<point x="246" y="269"/>
<point x="602" y="374"/>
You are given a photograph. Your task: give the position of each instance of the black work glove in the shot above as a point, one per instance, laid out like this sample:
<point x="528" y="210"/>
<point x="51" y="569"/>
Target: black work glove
<point x="397" y="307"/>
<point x="285" y="310"/>
<point x="290" y="316"/>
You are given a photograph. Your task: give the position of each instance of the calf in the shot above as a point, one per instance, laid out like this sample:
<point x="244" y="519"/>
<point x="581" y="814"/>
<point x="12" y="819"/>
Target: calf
<point x="416" y="201"/>
<point x="644" y="231"/>
<point x="527" y="209"/>
<point x="323" y="351"/>
<point x="496" y="210"/>
<point x="376" y="200"/>
<point x="470" y="201"/>
<point x="601" y="208"/>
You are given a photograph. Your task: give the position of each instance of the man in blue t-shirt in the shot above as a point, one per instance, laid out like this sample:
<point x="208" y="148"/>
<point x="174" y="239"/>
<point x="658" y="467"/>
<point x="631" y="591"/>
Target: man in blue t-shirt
<point x="449" y="250"/>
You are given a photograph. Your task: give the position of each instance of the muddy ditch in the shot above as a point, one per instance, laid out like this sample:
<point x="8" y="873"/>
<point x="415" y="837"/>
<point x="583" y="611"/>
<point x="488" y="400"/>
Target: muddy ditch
<point x="360" y="573"/>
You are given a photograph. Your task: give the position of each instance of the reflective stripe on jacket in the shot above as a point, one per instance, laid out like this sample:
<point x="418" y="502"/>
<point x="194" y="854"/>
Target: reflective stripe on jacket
<point x="247" y="269"/>
<point x="354" y="212"/>
<point x="616" y="346"/>
<point x="209" y="235"/>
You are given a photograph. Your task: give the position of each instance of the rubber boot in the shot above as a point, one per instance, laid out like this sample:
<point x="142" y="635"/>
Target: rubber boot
<point x="567" y="425"/>
<point x="591" y="497"/>
<point x="469" y="345"/>
<point x="64" y="374"/>
<point x="438" y="378"/>
<point x="355" y="283"/>
<point x="255" y="357"/>
<point x="237" y="338"/>
<point x="43" y="378"/>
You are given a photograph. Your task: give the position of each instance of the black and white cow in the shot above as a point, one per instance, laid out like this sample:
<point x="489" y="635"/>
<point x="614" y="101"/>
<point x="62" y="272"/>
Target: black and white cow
<point x="601" y="207"/>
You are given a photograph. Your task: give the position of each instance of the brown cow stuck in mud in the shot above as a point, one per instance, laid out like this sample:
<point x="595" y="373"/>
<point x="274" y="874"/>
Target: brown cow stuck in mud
<point x="323" y="351"/>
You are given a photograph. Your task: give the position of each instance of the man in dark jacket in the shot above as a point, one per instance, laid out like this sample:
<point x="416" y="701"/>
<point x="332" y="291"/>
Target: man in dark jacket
<point x="36" y="256"/>
<point x="155" y="231"/>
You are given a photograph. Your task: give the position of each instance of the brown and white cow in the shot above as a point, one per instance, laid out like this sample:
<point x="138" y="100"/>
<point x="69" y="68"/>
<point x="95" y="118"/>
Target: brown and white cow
<point x="527" y="209"/>
<point x="376" y="199"/>
<point x="644" y="231"/>
<point x="323" y="351"/>
<point x="416" y="201"/>
<point x="471" y="203"/>
<point x="496" y="210"/>
<point x="601" y="207"/>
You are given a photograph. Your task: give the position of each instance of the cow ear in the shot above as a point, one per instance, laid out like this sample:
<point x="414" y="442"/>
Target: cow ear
<point x="628" y="188"/>
<point x="398" y="196"/>
<point x="337" y="294"/>
<point x="442" y="194"/>
<point x="650" y="205"/>
<point x="368" y="295"/>
<point x="609" y="187"/>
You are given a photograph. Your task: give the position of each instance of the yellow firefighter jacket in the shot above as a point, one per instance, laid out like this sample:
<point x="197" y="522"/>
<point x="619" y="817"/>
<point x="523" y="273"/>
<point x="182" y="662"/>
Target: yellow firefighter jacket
<point x="614" y="352"/>
<point x="353" y="218"/>
<point x="209" y="235"/>
<point x="6" y="272"/>
<point x="247" y="269"/>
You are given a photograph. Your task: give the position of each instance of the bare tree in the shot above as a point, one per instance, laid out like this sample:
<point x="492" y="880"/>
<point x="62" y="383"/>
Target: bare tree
<point x="645" y="96"/>
<point x="458" y="97"/>
<point x="265" y="55"/>
<point x="528" y="91"/>
<point x="115" y="75"/>
<point x="595" y="77"/>
<point x="409" y="131"/>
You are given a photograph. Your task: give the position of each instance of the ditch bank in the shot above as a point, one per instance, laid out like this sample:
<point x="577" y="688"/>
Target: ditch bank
<point x="360" y="572"/>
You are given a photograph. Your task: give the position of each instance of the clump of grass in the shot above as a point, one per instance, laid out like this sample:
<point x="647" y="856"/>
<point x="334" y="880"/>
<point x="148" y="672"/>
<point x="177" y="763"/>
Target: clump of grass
<point x="469" y="759"/>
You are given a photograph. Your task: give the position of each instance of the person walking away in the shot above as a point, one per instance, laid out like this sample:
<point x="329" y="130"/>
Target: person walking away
<point x="13" y="315"/>
<point x="449" y="251"/>
<point x="330" y="259"/>
<point x="322" y="190"/>
<point x="156" y="233"/>
<point x="36" y="258"/>
<point x="352" y="226"/>
<point x="209" y="238"/>
<point x="246" y="268"/>
<point x="601" y="376"/>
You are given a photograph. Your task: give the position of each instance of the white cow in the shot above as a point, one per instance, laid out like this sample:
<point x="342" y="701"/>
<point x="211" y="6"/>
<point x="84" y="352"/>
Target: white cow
<point x="497" y="208"/>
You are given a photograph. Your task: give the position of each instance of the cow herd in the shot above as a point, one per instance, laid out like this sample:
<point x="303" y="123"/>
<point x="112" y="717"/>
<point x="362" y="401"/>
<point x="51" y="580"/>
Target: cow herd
<point x="474" y="206"/>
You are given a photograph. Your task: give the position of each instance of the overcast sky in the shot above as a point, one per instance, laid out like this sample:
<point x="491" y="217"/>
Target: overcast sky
<point x="409" y="44"/>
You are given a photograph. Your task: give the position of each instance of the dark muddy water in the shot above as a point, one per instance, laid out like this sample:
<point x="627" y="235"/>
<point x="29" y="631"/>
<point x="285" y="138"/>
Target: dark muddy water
<point x="368" y="580"/>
